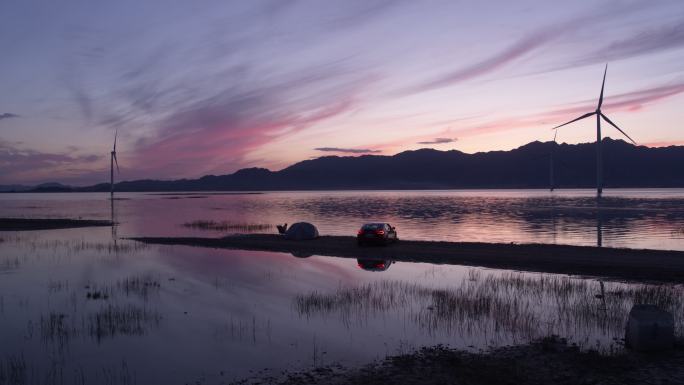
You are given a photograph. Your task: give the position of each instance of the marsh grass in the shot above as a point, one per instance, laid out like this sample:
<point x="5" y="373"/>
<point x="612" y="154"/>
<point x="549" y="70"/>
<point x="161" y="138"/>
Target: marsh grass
<point x="244" y="330"/>
<point x="225" y="226"/>
<point x="74" y="246"/>
<point x="54" y="327"/>
<point x="503" y="307"/>
<point x="97" y="294"/>
<point x="114" y="320"/>
<point x="57" y="286"/>
<point x="13" y="371"/>
<point x="140" y="285"/>
<point x="9" y="263"/>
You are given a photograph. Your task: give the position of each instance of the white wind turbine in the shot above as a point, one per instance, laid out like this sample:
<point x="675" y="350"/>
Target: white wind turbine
<point x="599" y="115"/>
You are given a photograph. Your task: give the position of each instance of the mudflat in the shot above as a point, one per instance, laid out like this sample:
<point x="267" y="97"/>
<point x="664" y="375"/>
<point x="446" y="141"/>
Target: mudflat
<point x="24" y="224"/>
<point x="615" y="263"/>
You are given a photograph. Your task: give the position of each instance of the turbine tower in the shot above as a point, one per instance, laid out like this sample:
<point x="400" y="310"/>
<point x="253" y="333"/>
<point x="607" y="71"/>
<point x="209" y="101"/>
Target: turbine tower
<point x="112" y="161"/>
<point x="599" y="115"/>
<point x="553" y="149"/>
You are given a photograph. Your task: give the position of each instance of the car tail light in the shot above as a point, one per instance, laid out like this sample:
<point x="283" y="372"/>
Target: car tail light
<point x="380" y="232"/>
<point x="360" y="232"/>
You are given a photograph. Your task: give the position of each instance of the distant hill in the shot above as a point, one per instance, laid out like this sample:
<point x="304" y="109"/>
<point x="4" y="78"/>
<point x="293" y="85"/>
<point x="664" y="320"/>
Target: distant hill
<point x="23" y="188"/>
<point x="625" y="165"/>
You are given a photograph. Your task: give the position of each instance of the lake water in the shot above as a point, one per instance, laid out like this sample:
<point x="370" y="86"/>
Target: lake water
<point x="86" y="306"/>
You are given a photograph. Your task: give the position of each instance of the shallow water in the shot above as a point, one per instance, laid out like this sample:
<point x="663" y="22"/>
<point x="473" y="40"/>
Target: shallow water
<point x="647" y="218"/>
<point x="84" y="306"/>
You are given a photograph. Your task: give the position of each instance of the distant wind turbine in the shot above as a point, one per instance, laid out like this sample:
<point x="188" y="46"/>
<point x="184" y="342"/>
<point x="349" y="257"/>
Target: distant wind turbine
<point x="112" y="161"/>
<point x="599" y="115"/>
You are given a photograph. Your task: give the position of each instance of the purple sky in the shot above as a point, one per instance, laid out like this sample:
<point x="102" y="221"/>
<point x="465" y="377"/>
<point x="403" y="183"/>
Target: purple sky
<point x="209" y="87"/>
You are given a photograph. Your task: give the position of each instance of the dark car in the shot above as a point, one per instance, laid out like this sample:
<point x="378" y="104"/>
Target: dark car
<point x="376" y="233"/>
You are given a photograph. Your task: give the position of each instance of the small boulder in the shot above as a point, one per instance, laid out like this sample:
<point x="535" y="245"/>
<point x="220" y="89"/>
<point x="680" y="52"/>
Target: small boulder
<point x="301" y="231"/>
<point x="649" y="328"/>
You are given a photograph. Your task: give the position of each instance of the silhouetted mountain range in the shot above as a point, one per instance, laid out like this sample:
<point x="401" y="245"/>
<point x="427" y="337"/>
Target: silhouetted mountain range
<point x="625" y="165"/>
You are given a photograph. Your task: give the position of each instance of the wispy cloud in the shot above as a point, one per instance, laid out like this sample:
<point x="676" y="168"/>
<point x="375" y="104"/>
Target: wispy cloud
<point x="221" y="129"/>
<point x="8" y="115"/>
<point x="30" y="166"/>
<point x="629" y="101"/>
<point x="348" y="150"/>
<point x="489" y="64"/>
<point x="439" y="141"/>
<point x="653" y="39"/>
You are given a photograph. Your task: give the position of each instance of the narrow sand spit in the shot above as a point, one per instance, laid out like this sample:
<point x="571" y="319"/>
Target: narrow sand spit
<point x="23" y="224"/>
<point x="630" y="264"/>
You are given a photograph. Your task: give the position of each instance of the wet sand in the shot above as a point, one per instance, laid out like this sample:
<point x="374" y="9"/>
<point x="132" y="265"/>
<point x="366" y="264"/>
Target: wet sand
<point x="24" y="224"/>
<point x="627" y="264"/>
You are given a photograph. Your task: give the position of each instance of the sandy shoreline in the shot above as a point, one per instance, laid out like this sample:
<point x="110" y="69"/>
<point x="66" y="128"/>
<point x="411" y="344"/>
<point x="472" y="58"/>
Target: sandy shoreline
<point x="628" y="264"/>
<point x="25" y="224"/>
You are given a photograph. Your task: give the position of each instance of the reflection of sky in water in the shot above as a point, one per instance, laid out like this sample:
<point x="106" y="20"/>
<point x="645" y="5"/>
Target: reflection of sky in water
<point x="624" y="218"/>
<point x="229" y="311"/>
<point x="234" y="311"/>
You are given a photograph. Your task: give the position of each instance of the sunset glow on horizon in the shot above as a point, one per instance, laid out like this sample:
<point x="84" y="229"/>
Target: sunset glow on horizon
<point x="212" y="87"/>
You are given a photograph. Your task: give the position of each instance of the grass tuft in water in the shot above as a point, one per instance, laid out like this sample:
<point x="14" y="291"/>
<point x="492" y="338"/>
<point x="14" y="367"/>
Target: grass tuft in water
<point x="55" y="328"/>
<point x="114" y="320"/>
<point x="13" y="371"/>
<point x="140" y="285"/>
<point x="225" y="226"/>
<point x="509" y="307"/>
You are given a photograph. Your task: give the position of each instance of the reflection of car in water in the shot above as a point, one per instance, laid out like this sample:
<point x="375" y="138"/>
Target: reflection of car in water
<point x="374" y="264"/>
<point x="377" y="233"/>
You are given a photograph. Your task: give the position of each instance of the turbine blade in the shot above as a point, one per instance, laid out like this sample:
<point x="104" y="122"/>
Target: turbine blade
<point x="555" y="132"/>
<point x="618" y="128"/>
<point x="117" y="163"/>
<point x="116" y="133"/>
<point x="602" y="86"/>
<point x="574" y="120"/>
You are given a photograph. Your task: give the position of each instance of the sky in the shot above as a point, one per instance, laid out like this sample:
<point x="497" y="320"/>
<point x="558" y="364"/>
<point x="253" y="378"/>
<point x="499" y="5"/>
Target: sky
<point x="210" y="87"/>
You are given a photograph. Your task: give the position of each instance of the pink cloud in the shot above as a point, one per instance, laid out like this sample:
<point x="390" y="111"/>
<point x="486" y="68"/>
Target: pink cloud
<point x="221" y="145"/>
<point x="664" y="143"/>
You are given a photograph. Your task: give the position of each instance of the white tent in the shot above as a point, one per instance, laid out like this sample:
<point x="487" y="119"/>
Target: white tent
<point x="301" y="231"/>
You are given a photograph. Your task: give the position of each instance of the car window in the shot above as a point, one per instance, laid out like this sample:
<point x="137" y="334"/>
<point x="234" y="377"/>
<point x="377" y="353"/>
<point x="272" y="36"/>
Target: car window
<point x="372" y="226"/>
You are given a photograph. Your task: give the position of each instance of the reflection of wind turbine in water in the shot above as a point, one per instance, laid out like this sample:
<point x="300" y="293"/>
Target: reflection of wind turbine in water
<point x="599" y="225"/>
<point x="599" y="115"/>
<point x="114" y="224"/>
<point x="113" y="160"/>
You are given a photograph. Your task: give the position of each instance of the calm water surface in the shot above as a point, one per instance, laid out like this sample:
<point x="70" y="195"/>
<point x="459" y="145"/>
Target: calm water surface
<point x="623" y="218"/>
<point x="85" y="306"/>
